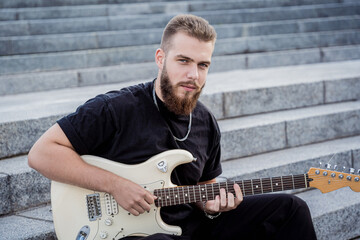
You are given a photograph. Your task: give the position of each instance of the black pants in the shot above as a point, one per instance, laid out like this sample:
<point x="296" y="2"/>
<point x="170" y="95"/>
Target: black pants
<point x="269" y="216"/>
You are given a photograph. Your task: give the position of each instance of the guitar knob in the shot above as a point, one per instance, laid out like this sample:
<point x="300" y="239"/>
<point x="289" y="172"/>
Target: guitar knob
<point x="108" y="222"/>
<point x="103" y="235"/>
<point x="328" y="165"/>
<point x="352" y="170"/>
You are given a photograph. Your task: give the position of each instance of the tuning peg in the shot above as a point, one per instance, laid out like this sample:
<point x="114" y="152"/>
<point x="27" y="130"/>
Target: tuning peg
<point x="358" y="171"/>
<point x="328" y="165"/>
<point x="320" y="164"/>
<point x="352" y="170"/>
<point x="343" y="169"/>
<point x="335" y="167"/>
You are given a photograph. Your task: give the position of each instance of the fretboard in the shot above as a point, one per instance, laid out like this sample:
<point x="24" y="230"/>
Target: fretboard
<point x="205" y="192"/>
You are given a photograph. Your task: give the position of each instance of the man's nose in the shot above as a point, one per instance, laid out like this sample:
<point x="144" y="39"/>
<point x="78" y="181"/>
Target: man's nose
<point x="193" y="72"/>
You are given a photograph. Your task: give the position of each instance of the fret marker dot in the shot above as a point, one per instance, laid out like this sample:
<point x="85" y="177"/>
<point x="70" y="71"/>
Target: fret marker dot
<point x="176" y="196"/>
<point x="257" y="186"/>
<point x="186" y="195"/>
<point x="203" y="196"/>
<point x="276" y="184"/>
<point x="167" y="197"/>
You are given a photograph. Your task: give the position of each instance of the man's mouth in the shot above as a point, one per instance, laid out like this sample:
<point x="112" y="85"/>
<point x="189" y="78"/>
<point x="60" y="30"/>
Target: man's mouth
<point x="189" y="87"/>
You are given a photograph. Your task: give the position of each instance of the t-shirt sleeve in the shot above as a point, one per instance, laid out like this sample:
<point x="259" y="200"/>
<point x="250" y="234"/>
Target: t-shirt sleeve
<point x="90" y="126"/>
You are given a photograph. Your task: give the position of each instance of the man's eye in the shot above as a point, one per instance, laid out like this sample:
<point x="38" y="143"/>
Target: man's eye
<point x="204" y="65"/>
<point x="183" y="60"/>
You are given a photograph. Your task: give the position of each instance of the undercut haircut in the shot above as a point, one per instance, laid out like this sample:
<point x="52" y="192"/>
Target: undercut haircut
<point x="191" y="25"/>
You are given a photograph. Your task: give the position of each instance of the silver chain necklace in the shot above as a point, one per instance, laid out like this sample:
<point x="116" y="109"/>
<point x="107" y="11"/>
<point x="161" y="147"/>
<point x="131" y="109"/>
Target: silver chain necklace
<point x="190" y="120"/>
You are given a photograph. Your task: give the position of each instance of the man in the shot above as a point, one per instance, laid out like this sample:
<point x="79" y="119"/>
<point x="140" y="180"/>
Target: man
<point x="135" y="123"/>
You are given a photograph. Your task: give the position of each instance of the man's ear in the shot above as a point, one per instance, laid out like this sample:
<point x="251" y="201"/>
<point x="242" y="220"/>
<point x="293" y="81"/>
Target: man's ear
<point x="160" y="58"/>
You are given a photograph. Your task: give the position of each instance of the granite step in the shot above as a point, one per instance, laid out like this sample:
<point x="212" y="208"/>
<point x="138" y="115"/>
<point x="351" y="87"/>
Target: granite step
<point x="45" y="3"/>
<point x="110" y="39"/>
<point x="8" y="14"/>
<point x="233" y="48"/>
<point x="146" y="21"/>
<point x="342" y="205"/>
<point x="313" y="94"/>
<point x="43" y="81"/>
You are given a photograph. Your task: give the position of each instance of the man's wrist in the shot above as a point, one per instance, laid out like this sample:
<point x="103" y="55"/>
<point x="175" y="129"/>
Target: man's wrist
<point x="208" y="215"/>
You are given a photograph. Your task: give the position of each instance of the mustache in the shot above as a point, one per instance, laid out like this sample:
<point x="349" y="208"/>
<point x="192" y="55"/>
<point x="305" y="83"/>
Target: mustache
<point x="189" y="83"/>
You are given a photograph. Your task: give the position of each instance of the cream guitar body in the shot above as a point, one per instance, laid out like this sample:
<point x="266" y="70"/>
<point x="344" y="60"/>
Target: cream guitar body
<point x="84" y="214"/>
<point x="81" y="214"/>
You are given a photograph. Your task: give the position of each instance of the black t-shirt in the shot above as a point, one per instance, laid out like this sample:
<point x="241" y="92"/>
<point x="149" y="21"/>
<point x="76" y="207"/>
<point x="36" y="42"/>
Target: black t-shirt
<point x="125" y="126"/>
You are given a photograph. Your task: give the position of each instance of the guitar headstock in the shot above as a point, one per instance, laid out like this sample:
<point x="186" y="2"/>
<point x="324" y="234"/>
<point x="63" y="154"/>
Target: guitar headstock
<point x="327" y="180"/>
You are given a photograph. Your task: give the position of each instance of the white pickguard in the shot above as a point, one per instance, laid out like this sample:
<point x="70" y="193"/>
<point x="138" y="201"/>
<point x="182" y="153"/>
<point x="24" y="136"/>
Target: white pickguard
<point x="70" y="210"/>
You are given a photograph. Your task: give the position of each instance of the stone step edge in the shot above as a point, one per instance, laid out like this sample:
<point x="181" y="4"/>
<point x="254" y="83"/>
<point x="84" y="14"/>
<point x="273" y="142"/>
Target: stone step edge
<point x="296" y="160"/>
<point x="185" y="6"/>
<point x="101" y="23"/>
<point x="220" y="52"/>
<point x="241" y="44"/>
<point x="298" y="22"/>
<point x="215" y="93"/>
<point x="220" y="63"/>
<point x="310" y="6"/>
<point x="335" y="213"/>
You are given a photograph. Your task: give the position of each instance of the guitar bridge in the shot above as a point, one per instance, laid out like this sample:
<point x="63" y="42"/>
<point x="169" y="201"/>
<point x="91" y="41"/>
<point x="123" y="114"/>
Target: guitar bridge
<point x="93" y="206"/>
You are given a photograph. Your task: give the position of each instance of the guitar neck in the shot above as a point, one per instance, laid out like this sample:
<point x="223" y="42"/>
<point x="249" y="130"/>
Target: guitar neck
<point x="197" y="193"/>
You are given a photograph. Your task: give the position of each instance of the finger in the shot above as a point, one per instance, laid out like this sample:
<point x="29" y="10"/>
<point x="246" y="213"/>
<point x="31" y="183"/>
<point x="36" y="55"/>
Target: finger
<point x="238" y="193"/>
<point x="223" y="200"/>
<point x="145" y="205"/>
<point x="134" y="212"/>
<point x="149" y="198"/>
<point x="138" y="208"/>
<point x="230" y="202"/>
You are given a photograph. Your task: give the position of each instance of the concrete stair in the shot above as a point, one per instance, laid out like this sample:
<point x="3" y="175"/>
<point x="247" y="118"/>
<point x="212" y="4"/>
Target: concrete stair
<point x="284" y="86"/>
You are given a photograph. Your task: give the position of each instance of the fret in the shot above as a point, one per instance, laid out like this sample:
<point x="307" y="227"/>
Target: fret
<point x="252" y="187"/>
<point x="256" y="186"/>
<point x="287" y="183"/>
<point x="213" y="193"/>
<point x="201" y="193"/>
<point x="261" y="184"/>
<point x="183" y="195"/>
<point x="188" y="188"/>
<point x="272" y="189"/>
<point x="282" y="184"/>
<point x="205" y="186"/>
<point x="161" y="198"/>
<point x="219" y="187"/>
<point x="178" y="195"/>
<point x="247" y="187"/>
<point x="194" y="194"/>
<point x="292" y="178"/>
<point x="242" y="187"/>
<point x="167" y="197"/>
<point x="173" y="196"/>
<point x="266" y="185"/>
<point x="277" y="184"/>
<point x="305" y="181"/>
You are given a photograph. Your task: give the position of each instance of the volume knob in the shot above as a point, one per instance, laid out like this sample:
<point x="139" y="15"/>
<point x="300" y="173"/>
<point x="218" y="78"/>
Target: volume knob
<point x="108" y="222"/>
<point x="103" y="235"/>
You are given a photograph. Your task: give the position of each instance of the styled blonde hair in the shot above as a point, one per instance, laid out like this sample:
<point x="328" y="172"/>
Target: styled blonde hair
<point x="191" y="25"/>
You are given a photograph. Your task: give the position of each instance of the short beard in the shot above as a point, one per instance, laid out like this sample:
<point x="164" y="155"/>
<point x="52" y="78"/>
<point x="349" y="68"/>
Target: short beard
<point x="179" y="106"/>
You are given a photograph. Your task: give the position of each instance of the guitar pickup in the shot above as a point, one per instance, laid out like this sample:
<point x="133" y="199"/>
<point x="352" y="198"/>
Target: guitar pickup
<point x="93" y="206"/>
<point x="111" y="205"/>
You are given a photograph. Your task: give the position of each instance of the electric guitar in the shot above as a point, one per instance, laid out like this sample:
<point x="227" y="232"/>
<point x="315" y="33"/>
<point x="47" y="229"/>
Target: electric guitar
<point x="82" y="214"/>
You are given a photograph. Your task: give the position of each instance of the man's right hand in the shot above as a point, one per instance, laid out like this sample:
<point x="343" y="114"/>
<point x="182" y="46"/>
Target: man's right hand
<point x="132" y="197"/>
